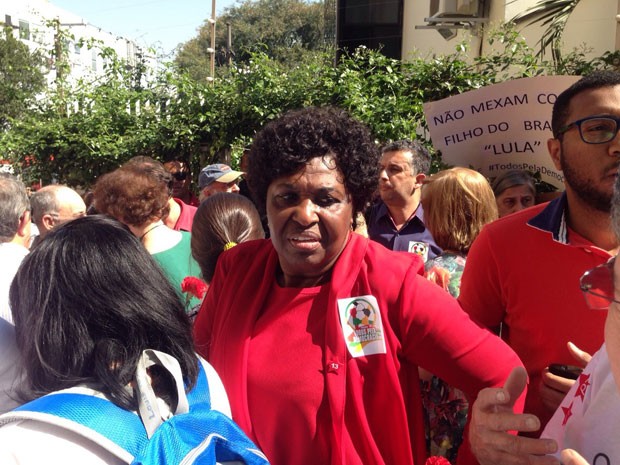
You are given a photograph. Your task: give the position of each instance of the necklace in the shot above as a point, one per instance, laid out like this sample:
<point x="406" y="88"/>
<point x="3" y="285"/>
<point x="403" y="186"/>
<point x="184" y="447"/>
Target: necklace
<point x="149" y="230"/>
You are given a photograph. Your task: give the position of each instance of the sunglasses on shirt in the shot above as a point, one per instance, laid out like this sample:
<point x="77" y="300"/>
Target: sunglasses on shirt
<point x="597" y="286"/>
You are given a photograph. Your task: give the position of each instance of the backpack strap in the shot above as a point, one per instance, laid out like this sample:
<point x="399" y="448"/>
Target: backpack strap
<point x="197" y="437"/>
<point x="117" y="430"/>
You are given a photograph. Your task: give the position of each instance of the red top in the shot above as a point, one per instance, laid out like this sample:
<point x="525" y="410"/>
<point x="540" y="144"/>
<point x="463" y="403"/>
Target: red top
<point x="519" y="276"/>
<point x="298" y="317"/>
<point x="374" y="413"/>
<point x="186" y="218"/>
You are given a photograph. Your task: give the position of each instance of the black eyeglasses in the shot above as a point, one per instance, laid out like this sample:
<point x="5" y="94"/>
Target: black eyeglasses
<point x="597" y="286"/>
<point x="595" y="129"/>
<point x="180" y="175"/>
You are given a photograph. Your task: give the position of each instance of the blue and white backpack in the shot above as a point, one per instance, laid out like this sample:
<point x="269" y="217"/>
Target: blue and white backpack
<point x="194" y="435"/>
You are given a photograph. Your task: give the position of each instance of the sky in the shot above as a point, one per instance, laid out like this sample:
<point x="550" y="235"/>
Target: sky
<point x="162" y="24"/>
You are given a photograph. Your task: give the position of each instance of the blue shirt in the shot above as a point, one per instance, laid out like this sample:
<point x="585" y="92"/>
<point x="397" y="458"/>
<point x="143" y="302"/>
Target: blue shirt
<point x="412" y="237"/>
<point x="553" y="219"/>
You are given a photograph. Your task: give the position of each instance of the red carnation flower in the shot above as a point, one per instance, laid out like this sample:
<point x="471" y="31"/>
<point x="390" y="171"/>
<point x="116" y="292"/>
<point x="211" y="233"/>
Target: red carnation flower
<point x="437" y="460"/>
<point x="194" y="286"/>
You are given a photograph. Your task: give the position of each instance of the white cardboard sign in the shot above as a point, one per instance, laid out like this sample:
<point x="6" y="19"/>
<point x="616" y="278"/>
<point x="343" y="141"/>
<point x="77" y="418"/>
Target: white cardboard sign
<point x="499" y="127"/>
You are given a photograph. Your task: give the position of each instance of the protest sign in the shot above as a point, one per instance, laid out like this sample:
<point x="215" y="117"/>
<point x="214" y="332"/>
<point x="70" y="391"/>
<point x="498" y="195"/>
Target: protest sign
<point x="499" y="127"/>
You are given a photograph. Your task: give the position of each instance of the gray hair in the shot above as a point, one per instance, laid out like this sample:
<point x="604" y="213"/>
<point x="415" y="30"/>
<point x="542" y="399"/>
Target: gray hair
<point x="13" y="203"/>
<point x="513" y="178"/>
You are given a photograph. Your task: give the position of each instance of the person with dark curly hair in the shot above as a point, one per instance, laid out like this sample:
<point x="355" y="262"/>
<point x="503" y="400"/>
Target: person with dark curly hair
<point x="137" y="195"/>
<point x="318" y="333"/>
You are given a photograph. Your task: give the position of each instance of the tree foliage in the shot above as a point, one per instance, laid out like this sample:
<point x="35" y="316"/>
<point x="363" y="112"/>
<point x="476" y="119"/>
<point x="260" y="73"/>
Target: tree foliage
<point x="551" y="14"/>
<point x="87" y="130"/>
<point x="21" y="77"/>
<point x="282" y="29"/>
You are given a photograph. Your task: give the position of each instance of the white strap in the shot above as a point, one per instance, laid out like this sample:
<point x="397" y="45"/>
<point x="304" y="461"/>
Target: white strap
<point x="148" y="407"/>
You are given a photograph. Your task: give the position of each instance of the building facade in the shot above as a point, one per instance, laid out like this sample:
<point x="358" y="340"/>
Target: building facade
<point x="409" y="28"/>
<point x="52" y="30"/>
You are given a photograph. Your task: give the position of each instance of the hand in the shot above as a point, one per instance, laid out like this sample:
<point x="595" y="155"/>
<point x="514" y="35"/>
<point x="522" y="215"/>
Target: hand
<point x="493" y="417"/>
<point x="553" y="388"/>
<point x="581" y="356"/>
<point x="571" y="457"/>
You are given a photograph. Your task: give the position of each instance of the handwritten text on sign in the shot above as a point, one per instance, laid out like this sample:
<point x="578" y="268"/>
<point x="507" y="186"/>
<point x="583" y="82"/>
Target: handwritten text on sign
<point x="500" y="127"/>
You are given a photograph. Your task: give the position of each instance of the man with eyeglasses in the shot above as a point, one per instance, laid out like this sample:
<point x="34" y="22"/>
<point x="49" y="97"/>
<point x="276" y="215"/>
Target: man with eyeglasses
<point x="218" y="178"/>
<point x="523" y="270"/>
<point x="585" y="426"/>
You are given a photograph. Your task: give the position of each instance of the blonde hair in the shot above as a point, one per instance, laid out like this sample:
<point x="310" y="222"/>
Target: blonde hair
<point x="457" y="203"/>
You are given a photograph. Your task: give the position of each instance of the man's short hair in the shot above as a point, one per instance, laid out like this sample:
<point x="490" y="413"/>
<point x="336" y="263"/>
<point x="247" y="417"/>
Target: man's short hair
<point x="595" y="80"/>
<point x="44" y="201"/>
<point x="420" y="156"/>
<point x="13" y="203"/>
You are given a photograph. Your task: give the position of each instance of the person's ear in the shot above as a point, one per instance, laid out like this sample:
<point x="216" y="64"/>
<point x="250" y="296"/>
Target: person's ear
<point x="23" y="229"/>
<point x="554" y="146"/>
<point x="47" y="221"/>
<point x="419" y="180"/>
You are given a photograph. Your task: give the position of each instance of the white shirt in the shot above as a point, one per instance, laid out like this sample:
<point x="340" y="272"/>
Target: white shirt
<point x="11" y="256"/>
<point x="588" y="420"/>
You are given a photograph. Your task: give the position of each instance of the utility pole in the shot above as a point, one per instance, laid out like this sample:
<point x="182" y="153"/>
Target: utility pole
<point x="229" y="43"/>
<point x="618" y="27"/>
<point x="62" y="64"/>
<point x="211" y="49"/>
<point x="58" y="51"/>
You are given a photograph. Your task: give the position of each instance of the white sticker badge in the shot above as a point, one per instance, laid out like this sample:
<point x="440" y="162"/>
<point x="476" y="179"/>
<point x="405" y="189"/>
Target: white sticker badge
<point x="419" y="248"/>
<point x="361" y="325"/>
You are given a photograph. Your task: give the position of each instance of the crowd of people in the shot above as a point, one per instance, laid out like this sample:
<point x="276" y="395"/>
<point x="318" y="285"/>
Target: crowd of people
<point x="459" y="322"/>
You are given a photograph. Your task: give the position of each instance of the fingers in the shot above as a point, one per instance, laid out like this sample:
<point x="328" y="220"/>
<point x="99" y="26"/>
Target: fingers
<point x="550" y="398"/>
<point x="571" y="457"/>
<point x="557" y="383"/>
<point x="496" y="447"/>
<point x="504" y="421"/>
<point x="493" y="417"/>
<point x="580" y="355"/>
<point x="508" y="449"/>
<point x="515" y="384"/>
<point x="502" y="399"/>
<point x="553" y="389"/>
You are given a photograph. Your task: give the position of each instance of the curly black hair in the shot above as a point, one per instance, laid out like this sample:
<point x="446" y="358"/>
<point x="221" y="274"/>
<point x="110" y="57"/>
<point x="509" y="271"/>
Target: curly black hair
<point x="284" y="146"/>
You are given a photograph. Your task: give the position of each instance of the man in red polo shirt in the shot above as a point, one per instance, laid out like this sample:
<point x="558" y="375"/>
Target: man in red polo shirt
<point x="523" y="270"/>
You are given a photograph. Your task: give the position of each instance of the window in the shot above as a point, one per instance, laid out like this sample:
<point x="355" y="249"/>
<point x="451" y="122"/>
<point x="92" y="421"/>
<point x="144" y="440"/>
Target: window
<point x="376" y="24"/>
<point x="371" y="12"/>
<point x="24" y="30"/>
<point x="93" y="62"/>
